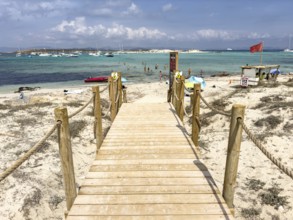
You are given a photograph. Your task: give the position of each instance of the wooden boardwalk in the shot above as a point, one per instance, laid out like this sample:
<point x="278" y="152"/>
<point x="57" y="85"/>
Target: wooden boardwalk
<point x="148" y="168"/>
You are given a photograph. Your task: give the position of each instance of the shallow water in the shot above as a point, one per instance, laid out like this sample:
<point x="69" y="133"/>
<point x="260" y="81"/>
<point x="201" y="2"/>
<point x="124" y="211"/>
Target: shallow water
<point x="58" y="71"/>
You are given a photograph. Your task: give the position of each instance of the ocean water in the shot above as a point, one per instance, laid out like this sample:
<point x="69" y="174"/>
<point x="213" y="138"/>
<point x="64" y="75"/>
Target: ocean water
<point x="61" y="72"/>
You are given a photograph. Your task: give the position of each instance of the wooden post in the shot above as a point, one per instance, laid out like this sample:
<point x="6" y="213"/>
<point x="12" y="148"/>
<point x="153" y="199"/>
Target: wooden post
<point x="119" y="89"/>
<point x="181" y="98"/>
<point x="173" y="66"/>
<point x="173" y="91"/>
<point x="195" y="113"/>
<point x="235" y="136"/>
<point x="169" y="95"/>
<point x="191" y="101"/>
<point x="112" y="98"/>
<point x="65" y="152"/>
<point x="98" y="117"/>
<point x="124" y="96"/>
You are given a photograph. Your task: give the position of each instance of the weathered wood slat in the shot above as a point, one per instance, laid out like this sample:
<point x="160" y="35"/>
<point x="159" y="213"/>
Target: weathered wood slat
<point x="125" y="190"/>
<point x="137" y="143"/>
<point x="147" y="174"/>
<point x="147" y="181"/>
<point x="148" y="167"/>
<point x="149" y="209"/>
<point x="144" y="156"/>
<point x="147" y="161"/>
<point x="148" y="217"/>
<point x="149" y="199"/>
<point x="155" y="150"/>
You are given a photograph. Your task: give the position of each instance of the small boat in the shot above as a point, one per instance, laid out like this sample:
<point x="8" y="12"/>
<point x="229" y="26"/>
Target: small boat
<point x="97" y="79"/>
<point x="109" y="55"/>
<point x="95" y="54"/>
<point x="289" y="48"/>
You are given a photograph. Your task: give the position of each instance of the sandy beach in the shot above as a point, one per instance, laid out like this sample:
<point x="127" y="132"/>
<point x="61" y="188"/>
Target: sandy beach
<point x="35" y="190"/>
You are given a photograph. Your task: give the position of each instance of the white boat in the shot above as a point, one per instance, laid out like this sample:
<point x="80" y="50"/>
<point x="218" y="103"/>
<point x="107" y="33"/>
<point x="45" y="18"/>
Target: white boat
<point x="71" y="55"/>
<point x="229" y="49"/>
<point x="289" y="48"/>
<point x="18" y="54"/>
<point x="45" y="54"/>
<point x="34" y="53"/>
<point x="108" y="55"/>
<point x="95" y="54"/>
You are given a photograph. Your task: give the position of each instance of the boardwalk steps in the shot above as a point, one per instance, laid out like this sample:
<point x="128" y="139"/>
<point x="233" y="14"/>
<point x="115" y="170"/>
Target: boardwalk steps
<point x="148" y="168"/>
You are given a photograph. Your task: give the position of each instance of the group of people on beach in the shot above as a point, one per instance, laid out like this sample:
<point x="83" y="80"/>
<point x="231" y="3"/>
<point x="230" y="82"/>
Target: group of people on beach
<point x="164" y="76"/>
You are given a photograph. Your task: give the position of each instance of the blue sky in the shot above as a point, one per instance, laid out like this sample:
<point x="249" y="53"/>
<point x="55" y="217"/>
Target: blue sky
<point x="198" y="24"/>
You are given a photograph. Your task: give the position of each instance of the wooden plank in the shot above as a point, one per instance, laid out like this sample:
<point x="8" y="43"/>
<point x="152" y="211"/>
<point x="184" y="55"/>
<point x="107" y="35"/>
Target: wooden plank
<point x="138" y="146"/>
<point x="147" y="174"/>
<point x="169" y="138"/>
<point x="149" y="209"/>
<point x="148" y="167"/>
<point x="147" y="181"/>
<point x="143" y="143"/>
<point x="146" y="161"/>
<point x="149" y="199"/>
<point x="144" y="156"/>
<point x="148" y="217"/>
<point x="155" y="150"/>
<point x="125" y="190"/>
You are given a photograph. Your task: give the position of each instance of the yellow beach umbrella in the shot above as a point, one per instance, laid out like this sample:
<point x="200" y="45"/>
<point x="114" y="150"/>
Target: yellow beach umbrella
<point x="189" y="85"/>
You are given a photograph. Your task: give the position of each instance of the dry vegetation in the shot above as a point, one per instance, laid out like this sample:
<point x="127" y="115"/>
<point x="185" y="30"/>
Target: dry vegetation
<point x="40" y="187"/>
<point x="255" y="198"/>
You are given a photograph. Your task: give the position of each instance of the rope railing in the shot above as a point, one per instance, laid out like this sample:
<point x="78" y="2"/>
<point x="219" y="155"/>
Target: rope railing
<point x="175" y="95"/>
<point x="237" y="115"/>
<point x="22" y="159"/>
<point x="255" y="141"/>
<point x="103" y="90"/>
<point x="117" y="97"/>
<point x="64" y="140"/>
<point x="35" y="148"/>
<point x="212" y="108"/>
<point x="82" y="108"/>
<point x="265" y="151"/>
<point x="109" y="109"/>
<point x="186" y="114"/>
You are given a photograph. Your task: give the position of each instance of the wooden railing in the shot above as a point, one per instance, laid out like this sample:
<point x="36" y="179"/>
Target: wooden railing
<point x="235" y="134"/>
<point x="116" y="96"/>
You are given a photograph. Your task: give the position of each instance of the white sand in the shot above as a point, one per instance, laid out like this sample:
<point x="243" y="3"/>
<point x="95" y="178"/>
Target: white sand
<point x="35" y="190"/>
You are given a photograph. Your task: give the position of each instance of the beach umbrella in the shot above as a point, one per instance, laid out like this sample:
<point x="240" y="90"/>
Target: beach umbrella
<point x="275" y="71"/>
<point x="192" y="80"/>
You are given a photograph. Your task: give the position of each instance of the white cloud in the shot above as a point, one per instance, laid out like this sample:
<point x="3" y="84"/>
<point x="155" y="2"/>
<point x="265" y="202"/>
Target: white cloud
<point x="211" y="34"/>
<point x="14" y="10"/>
<point x="255" y="35"/>
<point x="167" y="7"/>
<point x="128" y="33"/>
<point x="78" y="27"/>
<point x="132" y="10"/>
<point x="216" y="34"/>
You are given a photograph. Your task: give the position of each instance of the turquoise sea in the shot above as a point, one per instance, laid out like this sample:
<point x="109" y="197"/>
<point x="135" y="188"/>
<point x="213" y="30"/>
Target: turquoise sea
<point x="48" y="72"/>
